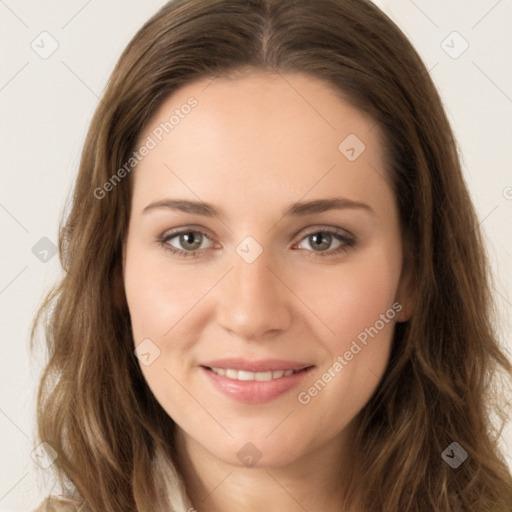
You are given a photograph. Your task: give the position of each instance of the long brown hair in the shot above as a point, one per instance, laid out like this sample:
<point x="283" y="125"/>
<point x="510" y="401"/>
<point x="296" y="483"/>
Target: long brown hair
<point x="94" y="406"/>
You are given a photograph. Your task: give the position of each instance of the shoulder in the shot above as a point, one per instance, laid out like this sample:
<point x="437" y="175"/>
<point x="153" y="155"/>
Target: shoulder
<point x="59" y="504"/>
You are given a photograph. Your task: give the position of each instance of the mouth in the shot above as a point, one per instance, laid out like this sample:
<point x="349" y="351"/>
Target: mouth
<point x="244" y="375"/>
<point x="254" y="382"/>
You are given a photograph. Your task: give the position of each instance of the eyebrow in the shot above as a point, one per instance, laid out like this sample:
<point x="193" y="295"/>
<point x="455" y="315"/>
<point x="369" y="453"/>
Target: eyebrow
<point x="298" y="209"/>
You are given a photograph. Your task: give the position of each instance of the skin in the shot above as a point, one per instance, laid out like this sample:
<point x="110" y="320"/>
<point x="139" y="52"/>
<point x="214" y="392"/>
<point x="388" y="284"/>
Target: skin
<point x="255" y="144"/>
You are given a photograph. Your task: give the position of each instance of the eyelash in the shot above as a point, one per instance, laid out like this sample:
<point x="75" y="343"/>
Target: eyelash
<point x="347" y="242"/>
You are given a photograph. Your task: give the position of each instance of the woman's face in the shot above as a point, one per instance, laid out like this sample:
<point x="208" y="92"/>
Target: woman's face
<point x="263" y="241"/>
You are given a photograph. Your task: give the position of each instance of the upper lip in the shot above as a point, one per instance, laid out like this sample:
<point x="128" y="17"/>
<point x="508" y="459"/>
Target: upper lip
<point x="262" y="365"/>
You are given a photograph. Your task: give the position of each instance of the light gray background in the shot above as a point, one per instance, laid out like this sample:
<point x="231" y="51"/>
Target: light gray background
<point x="46" y="105"/>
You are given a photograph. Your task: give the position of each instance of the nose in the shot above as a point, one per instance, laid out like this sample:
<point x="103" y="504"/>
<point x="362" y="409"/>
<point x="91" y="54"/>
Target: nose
<point x="254" y="303"/>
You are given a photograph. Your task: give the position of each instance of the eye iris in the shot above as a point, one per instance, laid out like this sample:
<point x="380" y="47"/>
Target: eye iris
<point x="186" y="240"/>
<point x="320" y="240"/>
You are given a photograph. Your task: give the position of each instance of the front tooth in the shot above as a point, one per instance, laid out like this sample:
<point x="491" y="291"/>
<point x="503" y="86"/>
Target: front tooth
<point x="234" y="374"/>
<point x="263" y="376"/>
<point x="243" y="375"/>
<point x="231" y="374"/>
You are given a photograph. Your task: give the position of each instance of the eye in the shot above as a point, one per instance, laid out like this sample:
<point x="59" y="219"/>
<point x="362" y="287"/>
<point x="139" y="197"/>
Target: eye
<point x="322" y="239"/>
<point x="189" y="242"/>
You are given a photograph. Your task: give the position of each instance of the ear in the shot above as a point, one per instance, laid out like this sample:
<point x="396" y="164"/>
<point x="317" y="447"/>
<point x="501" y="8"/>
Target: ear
<point x="406" y="293"/>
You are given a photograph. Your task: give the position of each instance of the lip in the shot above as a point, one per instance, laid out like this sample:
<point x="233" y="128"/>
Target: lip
<point x="252" y="391"/>
<point x="263" y="365"/>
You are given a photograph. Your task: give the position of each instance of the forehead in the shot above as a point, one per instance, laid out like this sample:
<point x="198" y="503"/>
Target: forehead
<point x="260" y="135"/>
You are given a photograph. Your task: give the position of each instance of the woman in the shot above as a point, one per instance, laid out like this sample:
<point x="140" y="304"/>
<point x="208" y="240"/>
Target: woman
<point x="276" y="293"/>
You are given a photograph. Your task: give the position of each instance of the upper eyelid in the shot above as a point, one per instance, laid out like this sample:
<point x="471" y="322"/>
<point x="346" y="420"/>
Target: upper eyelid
<point x="323" y="228"/>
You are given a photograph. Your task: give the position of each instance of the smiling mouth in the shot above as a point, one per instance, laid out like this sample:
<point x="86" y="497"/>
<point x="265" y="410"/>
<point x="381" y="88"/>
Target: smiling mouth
<point x="254" y="382"/>
<point x="243" y="375"/>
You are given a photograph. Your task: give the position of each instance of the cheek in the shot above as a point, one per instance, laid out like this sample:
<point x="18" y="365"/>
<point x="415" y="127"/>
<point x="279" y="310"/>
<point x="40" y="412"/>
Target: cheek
<point x="159" y="295"/>
<point x="158" y="298"/>
<point x="354" y="296"/>
<point x="360" y="308"/>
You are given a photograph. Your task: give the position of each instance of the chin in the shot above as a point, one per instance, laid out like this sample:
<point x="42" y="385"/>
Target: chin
<point x="255" y="452"/>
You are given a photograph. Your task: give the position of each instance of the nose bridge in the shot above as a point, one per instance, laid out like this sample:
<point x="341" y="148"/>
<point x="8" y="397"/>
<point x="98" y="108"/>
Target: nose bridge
<point x="253" y="278"/>
<point x="253" y="300"/>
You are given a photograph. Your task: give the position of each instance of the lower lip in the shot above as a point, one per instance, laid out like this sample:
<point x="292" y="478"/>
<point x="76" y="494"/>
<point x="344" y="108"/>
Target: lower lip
<point x="254" y="391"/>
